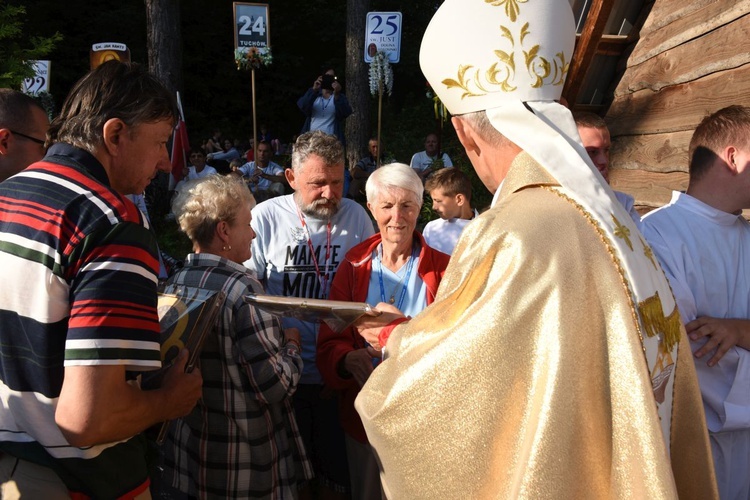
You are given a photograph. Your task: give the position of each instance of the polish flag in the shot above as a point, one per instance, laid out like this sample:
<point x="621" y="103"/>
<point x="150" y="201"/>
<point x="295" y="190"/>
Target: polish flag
<point x="180" y="149"/>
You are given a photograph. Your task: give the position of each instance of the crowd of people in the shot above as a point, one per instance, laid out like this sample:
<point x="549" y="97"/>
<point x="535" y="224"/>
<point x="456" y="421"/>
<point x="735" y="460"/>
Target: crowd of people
<point x="542" y="349"/>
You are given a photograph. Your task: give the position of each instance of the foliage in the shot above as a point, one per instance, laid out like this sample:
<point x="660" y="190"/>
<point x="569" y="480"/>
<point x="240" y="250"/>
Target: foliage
<point x="15" y="58"/>
<point x="252" y="58"/>
<point x="441" y="112"/>
<point x="47" y="102"/>
<point x="381" y="74"/>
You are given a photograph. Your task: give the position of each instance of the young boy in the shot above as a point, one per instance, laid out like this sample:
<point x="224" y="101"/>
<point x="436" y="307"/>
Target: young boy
<point x="450" y="191"/>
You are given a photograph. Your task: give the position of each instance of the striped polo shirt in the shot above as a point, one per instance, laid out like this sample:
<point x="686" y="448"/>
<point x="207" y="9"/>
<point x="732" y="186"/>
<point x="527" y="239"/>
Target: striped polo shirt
<point x="79" y="288"/>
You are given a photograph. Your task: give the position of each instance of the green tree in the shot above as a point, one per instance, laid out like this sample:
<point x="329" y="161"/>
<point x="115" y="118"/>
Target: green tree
<point x="16" y="58"/>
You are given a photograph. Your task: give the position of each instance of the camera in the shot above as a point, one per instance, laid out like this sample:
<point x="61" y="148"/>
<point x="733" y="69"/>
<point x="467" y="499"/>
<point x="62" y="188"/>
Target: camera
<point x="327" y="81"/>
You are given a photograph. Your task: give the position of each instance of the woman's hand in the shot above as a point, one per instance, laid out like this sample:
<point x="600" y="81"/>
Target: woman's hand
<point x="370" y="325"/>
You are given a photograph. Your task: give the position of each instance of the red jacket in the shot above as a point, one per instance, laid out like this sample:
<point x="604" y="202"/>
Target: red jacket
<point x="350" y="283"/>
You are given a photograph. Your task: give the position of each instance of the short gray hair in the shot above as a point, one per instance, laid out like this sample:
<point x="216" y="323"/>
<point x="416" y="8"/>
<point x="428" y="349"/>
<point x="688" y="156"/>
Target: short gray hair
<point x="319" y="144"/>
<point x="482" y="125"/>
<point x="202" y="203"/>
<point x="392" y="176"/>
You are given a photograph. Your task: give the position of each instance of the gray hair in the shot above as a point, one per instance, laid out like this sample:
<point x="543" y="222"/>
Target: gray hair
<point x="482" y="125"/>
<point x="394" y="176"/>
<point x="202" y="203"/>
<point x="319" y="144"/>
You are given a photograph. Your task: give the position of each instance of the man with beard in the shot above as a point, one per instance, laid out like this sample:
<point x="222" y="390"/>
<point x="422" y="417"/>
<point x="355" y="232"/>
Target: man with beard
<point x="301" y="239"/>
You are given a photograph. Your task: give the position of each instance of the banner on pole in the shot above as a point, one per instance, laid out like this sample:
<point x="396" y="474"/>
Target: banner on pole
<point x="251" y="26"/>
<point x="383" y="33"/>
<point x="180" y="149"/>
<point x="40" y="81"/>
<point x="103" y="52"/>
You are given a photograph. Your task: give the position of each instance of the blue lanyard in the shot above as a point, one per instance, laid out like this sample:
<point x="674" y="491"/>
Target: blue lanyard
<point x="409" y="267"/>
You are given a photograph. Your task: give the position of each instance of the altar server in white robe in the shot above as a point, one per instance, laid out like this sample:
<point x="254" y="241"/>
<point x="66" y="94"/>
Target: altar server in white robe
<point x="703" y="244"/>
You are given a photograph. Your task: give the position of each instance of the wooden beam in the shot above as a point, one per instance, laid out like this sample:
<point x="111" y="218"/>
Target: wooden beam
<point x="720" y="49"/>
<point x="612" y="45"/>
<point x="585" y="49"/>
<point x="678" y="107"/>
<point x="650" y="189"/>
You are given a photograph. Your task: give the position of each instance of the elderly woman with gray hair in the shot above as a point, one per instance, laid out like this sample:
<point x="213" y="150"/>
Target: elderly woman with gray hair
<point x="394" y="266"/>
<point x="241" y="440"/>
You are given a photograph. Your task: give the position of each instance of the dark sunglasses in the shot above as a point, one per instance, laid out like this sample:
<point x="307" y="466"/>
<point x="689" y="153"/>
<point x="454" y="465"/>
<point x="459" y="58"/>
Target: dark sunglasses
<point x="32" y="139"/>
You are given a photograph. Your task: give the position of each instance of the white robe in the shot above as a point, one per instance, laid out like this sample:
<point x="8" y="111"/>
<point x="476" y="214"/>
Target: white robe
<point x="706" y="255"/>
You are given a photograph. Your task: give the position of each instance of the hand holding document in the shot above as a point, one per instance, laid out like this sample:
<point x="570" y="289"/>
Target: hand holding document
<point x="336" y="314"/>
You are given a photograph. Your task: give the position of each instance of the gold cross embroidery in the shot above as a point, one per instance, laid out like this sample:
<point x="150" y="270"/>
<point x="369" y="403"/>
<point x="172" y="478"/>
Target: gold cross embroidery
<point x="648" y="253"/>
<point x="622" y="232"/>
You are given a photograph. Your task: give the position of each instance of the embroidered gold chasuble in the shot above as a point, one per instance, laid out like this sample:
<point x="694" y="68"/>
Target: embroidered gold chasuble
<point x="527" y="378"/>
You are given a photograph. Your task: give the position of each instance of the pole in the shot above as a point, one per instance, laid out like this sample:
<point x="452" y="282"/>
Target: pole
<point x="380" y="117"/>
<point x="255" y="133"/>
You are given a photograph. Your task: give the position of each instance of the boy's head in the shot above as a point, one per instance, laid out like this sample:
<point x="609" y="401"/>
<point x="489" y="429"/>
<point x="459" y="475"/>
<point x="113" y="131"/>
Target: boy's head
<point x="450" y="191"/>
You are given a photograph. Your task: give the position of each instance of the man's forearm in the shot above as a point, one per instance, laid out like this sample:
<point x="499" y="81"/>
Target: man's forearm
<point x="97" y="405"/>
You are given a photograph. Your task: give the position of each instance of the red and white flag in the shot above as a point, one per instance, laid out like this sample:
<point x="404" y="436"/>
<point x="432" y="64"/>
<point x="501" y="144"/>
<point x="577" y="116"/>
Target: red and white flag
<point x="180" y="149"/>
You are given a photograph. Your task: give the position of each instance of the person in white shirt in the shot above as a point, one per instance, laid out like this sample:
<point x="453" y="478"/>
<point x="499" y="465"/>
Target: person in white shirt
<point x="450" y="191"/>
<point x="300" y="241"/>
<point x="596" y="139"/>
<point x="264" y="177"/>
<point x="703" y="243"/>
<point x="431" y="159"/>
<point x="198" y="168"/>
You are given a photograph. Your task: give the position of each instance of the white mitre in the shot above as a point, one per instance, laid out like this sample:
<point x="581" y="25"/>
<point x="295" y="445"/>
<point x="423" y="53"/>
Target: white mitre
<point x="510" y="59"/>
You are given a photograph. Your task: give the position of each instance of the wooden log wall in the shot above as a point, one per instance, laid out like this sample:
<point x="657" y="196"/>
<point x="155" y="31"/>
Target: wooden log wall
<point x="692" y="58"/>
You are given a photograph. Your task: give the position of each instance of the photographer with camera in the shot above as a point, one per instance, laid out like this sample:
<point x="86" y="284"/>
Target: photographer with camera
<point x="325" y="106"/>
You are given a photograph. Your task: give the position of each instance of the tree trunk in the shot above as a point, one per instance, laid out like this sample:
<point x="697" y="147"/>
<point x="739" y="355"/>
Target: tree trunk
<point x="357" y="83"/>
<point x="164" y="41"/>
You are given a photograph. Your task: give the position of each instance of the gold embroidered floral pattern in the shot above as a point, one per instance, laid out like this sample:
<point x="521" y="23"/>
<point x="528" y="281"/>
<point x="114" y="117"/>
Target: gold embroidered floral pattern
<point x="511" y="7"/>
<point x="502" y="73"/>
<point x="622" y="232"/>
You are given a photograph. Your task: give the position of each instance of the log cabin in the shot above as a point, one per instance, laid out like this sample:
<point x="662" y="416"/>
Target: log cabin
<point x="653" y="69"/>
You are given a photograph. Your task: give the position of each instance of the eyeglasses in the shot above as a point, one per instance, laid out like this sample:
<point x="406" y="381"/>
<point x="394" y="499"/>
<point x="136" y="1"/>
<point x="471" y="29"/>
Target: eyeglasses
<point x="32" y="139"/>
<point x="196" y="156"/>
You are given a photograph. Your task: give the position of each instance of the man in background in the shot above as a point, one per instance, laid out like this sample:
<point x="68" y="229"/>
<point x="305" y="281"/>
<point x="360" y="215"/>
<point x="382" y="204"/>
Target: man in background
<point x="23" y="130"/>
<point x="431" y="159"/>
<point x="264" y="177"/>
<point x="596" y="139"/>
<point x="362" y="170"/>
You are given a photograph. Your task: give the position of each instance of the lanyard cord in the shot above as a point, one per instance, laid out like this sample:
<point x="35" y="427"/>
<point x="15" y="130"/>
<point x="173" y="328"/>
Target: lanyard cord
<point x="402" y="296"/>
<point x="322" y="276"/>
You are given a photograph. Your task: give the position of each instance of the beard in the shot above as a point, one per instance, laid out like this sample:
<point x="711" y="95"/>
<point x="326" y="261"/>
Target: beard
<point x="322" y="208"/>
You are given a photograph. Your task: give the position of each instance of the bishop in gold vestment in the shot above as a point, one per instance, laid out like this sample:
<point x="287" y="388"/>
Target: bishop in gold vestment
<point x="526" y="378"/>
<point x="552" y="363"/>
